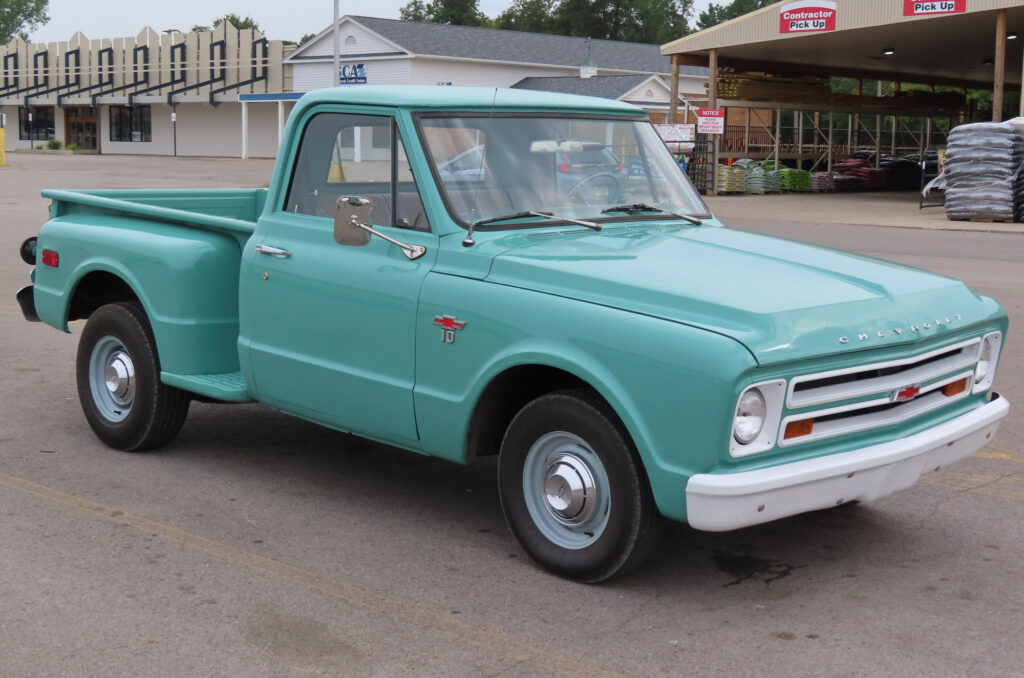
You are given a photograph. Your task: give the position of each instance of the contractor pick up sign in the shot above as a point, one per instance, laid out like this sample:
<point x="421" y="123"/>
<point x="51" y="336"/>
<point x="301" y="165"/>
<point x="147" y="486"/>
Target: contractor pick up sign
<point x="808" y="16"/>
<point x="922" y="7"/>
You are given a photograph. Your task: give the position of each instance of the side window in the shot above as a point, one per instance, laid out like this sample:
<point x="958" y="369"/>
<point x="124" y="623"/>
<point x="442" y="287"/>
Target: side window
<point x="348" y="154"/>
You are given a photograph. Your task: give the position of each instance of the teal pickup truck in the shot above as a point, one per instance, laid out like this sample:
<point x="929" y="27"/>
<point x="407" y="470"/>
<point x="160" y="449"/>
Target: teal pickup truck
<point x="464" y="272"/>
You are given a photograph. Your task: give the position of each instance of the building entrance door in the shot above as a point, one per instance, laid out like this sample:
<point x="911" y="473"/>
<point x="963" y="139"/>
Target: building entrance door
<point x="80" y="126"/>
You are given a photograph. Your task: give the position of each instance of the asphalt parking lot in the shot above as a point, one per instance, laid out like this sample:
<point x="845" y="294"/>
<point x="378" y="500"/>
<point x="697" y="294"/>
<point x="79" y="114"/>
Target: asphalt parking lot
<point x="260" y="545"/>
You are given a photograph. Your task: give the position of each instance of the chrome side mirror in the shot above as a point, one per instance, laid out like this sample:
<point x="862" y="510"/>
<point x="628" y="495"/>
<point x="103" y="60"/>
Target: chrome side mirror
<point x="351" y="215"/>
<point x="352" y="226"/>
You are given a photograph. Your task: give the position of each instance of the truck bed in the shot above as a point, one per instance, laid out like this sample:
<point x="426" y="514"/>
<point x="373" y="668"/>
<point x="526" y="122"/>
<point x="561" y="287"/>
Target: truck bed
<point x="228" y="210"/>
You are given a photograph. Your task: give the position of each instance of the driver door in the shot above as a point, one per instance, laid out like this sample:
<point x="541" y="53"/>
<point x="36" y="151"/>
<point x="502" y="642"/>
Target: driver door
<point x="329" y="329"/>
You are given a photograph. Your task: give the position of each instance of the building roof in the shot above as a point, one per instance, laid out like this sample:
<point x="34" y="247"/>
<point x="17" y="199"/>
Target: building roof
<point x="490" y="44"/>
<point x="953" y="48"/>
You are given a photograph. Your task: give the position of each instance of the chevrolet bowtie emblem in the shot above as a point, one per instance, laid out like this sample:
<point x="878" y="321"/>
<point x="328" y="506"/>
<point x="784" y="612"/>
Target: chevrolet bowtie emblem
<point x="448" y="324"/>
<point x="904" y="394"/>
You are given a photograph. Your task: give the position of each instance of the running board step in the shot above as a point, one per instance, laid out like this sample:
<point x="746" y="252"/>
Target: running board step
<point x="229" y="386"/>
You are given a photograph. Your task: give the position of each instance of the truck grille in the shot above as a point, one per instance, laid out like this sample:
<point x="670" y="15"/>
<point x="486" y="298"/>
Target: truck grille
<point x="881" y="394"/>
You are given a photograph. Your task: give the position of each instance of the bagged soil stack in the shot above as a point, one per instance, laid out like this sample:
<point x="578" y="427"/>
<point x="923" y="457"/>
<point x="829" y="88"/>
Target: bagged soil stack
<point x="984" y="172"/>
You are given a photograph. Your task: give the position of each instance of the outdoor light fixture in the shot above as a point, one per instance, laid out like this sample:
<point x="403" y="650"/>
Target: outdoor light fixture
<point x="987" y="61"/>
<point x="1011" y="36"/>
<point x="888" y="51"/>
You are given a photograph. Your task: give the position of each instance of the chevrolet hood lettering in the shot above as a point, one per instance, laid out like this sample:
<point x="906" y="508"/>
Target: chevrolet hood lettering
<point x="781" y="299"/>
<point x="880" y="334"/>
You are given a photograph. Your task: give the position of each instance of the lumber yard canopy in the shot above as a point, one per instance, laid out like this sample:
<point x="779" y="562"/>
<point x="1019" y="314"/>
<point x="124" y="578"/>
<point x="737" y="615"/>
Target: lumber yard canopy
<point x="977" y="44"/>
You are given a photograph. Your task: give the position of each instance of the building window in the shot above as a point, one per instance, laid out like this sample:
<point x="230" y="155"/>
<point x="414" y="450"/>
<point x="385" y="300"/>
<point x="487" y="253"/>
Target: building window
<point x="131" y="123"/>
<point x="40" y="128"/>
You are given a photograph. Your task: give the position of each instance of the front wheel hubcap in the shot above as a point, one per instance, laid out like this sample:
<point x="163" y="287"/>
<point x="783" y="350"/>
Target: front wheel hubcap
<point x="570" y="490"/>
<point x="566" y="489"/>
<point x="119" y="377"/>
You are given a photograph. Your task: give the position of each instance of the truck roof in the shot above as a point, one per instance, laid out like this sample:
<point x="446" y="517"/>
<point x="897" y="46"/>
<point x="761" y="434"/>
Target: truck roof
<point x="424" y="97"/>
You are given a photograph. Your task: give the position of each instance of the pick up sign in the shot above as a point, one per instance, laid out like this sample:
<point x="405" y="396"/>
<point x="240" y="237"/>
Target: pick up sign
<point x="922" y="7"/>
<point x="808" y="16"/>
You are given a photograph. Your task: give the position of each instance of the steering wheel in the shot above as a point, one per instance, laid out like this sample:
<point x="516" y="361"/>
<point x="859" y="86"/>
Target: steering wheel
<point x="586" y="180"/>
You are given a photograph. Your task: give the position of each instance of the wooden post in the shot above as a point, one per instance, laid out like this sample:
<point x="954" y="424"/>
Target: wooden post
<point x="746" y="132"/>
<point x="798" y="122"/>
<point x="713" y="103"/>
<point x="673" y="108"/>
<point x="878" y="128"/>
<point x="897" y="86"/>
<point x="1000" y="67"/>
<point x="830" y="119"/>
<point x="856" y="118"/>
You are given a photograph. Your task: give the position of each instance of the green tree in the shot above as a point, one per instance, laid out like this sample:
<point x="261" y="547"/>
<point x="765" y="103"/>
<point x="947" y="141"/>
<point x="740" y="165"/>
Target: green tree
<point x="306" y="38"/>
<point x="21" y="17"/>
<point x="649" y="21"/>
<point x="652" y="21"/>
<point x="455" y="12"/>
<point x="239" y="22"/>
<point x="415" y="10"/>
<point x="716" y="14"/>
<point x="532" y="16"/>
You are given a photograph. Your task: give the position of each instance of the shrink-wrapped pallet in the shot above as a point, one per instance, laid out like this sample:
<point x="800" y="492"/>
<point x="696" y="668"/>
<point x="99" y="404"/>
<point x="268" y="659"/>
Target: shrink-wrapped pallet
<point x="984" y="172"/>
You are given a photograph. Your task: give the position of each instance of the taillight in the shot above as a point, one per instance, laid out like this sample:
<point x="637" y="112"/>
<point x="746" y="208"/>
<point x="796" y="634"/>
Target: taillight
<point x="51" y="258"/>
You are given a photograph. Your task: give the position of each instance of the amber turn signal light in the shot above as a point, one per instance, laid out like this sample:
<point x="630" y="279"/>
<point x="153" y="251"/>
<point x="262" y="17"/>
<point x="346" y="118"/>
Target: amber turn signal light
<point x="956" y="388"/>
<point x="798" y="429"/>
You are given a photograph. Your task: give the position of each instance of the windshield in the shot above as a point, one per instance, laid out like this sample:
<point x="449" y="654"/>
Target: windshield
<point x="575" y="167"/>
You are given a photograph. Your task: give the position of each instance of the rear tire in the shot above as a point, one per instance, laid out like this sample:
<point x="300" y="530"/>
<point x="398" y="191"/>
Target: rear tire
<point x="119" y="387"/>
<point x="573" y="490"/>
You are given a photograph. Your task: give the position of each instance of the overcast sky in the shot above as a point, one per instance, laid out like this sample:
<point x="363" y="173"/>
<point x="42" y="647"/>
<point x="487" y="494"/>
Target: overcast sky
<point x="280" y="19"/>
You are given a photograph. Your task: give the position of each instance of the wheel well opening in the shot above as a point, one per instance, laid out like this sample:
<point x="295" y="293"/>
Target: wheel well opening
<point x="504" y="397"/>
<point x="95" y="290"/>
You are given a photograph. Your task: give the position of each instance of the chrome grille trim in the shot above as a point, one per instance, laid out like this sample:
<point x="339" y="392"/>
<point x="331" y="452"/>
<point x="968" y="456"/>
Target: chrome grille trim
<point x="860" y="383"/>
<point x="930" y="398"/>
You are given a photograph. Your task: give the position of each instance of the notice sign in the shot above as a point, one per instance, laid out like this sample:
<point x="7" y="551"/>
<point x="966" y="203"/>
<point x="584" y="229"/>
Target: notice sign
<point x="922" y="7"/>
<point x="808" y="16"/>
<point x="711" y="121"/>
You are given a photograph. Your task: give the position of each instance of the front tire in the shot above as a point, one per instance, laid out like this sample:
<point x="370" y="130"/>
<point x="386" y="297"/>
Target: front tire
<point x="573" y="489"/>
<point x="119" y="387"/>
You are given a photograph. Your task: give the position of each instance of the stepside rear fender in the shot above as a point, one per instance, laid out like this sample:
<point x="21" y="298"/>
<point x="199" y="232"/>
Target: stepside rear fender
<point x="185" y="278"/>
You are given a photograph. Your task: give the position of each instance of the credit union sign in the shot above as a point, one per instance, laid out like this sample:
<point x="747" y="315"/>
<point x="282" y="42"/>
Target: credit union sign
<point x="808" y="16"/>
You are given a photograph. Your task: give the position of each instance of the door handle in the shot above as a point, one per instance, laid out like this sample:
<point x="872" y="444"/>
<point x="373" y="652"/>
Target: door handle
<point x="273" y="251"/>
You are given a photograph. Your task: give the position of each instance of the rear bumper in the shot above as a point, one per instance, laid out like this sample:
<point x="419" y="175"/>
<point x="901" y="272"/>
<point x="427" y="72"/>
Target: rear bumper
<point x="731" y="501"/>
<point x="27" y="301"/>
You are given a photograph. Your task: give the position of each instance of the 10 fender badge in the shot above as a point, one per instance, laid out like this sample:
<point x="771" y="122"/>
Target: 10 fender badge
<point x="448" y="324"/>
<point x="881" y="334"/>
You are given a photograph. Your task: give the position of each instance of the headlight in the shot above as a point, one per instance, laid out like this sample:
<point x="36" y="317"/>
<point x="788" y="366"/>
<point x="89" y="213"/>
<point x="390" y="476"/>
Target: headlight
<point x="985" y="372"/>
<point x="985" y="362"/>
<point x="750" y="416"/>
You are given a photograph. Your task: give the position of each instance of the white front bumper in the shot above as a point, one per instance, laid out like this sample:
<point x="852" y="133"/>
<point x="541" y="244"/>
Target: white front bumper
<point x="734" y="500"/>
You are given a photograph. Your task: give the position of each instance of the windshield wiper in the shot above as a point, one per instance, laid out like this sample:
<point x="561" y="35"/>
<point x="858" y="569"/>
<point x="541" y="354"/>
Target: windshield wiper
<point x="644" y="207"/>
<point x="469" y="242"/>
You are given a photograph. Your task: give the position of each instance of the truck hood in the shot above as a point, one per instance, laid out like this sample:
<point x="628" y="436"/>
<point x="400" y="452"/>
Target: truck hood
<point x="781" y="299"/>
